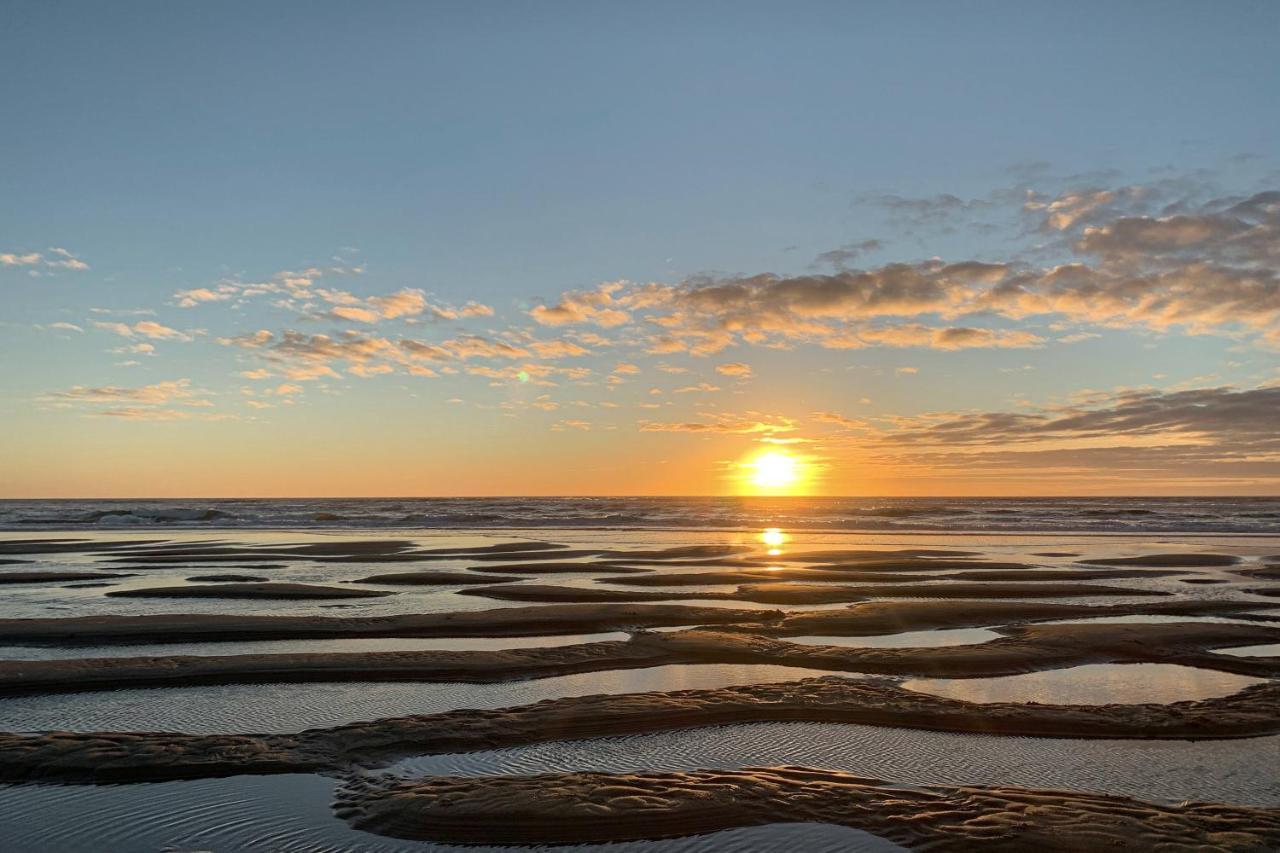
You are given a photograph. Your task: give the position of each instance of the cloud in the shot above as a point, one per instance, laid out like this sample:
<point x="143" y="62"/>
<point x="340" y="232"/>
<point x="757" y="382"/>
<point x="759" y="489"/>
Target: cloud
<point x="196" y="296"/>
<point x="145" y="329"/>
<point x="558" y="348"/>
<point x="1201" y="437"/>
<point x="62" y="259"/>
<point x="56" y="259"/>
<point x="840" y="420"/>
<point x="1146" y="258"/>
<point x="750" y="423"/>
<point x="406" y="303"/>
<point x="1236" y="418"/>
<point x="146" y="403"/>
<point x="594" y="306"/>
<point x="700" y="388"/>
<point x="841" y="258"/>
<point x="135" y="413"/>
<point x="64" y="327"/>
<point x="736" y="369"/>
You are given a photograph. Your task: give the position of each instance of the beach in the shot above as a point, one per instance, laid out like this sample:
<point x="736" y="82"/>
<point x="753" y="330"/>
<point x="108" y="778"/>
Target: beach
<point x="709" y="688"/>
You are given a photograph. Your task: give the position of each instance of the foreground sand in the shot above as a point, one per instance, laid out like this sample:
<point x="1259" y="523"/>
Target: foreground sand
<point x="140" y="756"/>
<point x="929" y="588"/>
<point x="580" y="807"/>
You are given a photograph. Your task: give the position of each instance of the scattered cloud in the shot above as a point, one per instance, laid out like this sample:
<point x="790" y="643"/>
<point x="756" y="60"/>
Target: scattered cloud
<point x="736" y="369"/>
<point x="145" y="329"/>
<point x="55" y="258"/>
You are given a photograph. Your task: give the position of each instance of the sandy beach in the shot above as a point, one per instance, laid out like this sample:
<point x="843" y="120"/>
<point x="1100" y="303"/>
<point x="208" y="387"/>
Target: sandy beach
<point x="674" y="602"/>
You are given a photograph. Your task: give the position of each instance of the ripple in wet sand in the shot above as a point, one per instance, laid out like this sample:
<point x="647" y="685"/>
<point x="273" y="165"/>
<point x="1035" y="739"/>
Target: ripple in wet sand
<point x="1234" y="771"/>
<point x="292" y="814"/>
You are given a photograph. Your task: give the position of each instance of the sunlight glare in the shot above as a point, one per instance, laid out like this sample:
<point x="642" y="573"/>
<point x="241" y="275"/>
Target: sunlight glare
<point x="774" y="470"/>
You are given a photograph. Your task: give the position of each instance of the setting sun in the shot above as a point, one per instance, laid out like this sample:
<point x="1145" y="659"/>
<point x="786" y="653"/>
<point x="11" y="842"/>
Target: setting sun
<point x="774" y="471"/>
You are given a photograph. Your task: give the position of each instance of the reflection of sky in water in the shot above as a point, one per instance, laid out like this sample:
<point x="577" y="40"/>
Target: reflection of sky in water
<point x="905" y="640"/>
<point x="293" y="707"/>
<point x="1091" y="684"/>
<point x="1265" y="651"/>
<point x="251" y="647"/>
<point x="1234" y="771"/>
<point x="293" y="814"/>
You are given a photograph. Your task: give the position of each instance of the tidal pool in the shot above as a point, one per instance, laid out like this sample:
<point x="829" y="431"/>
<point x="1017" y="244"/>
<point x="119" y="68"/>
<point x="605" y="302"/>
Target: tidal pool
<point x="1092" y="684"/>
<point x="905" y="640"/>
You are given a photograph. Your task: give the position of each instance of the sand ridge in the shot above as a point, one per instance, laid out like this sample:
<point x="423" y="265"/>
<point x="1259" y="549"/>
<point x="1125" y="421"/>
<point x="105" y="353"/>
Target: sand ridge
<point x="602" y="807"/>
<point x="1023" y="649"/>
<point x="101" y="757"/>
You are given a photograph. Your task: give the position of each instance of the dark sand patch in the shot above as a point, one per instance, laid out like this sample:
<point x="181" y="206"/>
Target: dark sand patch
<point x="1055" y="554"/>
<point x="559" y="568"/>
<point x="1172" y="561"/>
<point x="368" y="551"/>
<point x="873" y="618"/>
<point x="1202" y="581"/>
<point x="249" y="590"/>
<point x="1268" y="591"/>
<point x="428" y="578"/>
<point x="798" y="593"/>
<point x="1024" y="649"/>
<point x="12" y="562"/>
<point x="581" y="595"/>
<point x="820" y="575"/>
<point x="1269" y="572"/>
<point x="601" y="807"/>
<point x="55" y="576"/>
<point x="227" y="579"/>
<point x="98" y="757"/>
<point x="502" y="622"/>
<point x="909" y="564"/>
<point x="680" y="552"/>
<point x="840" y="555"/>
<point x="65" y="546"/>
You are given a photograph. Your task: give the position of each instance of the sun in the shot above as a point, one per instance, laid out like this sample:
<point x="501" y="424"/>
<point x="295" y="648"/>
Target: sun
<point x="773" y="472"/>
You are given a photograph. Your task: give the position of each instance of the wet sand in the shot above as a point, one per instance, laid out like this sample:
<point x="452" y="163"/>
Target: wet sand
<point x="57" y="577"/>
<point x="249" y="590"/>
<point x="502" y="622"/>
<point x="1023" y="649"/>
<point x="818" y="592"/>
<point x="581" y="807"/>
<point x="139" y="756"/>
<point x="799" y="593"/>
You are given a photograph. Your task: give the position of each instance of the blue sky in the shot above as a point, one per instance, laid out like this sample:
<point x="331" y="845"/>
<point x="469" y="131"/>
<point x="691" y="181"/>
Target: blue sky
<point x="507" y="153"/>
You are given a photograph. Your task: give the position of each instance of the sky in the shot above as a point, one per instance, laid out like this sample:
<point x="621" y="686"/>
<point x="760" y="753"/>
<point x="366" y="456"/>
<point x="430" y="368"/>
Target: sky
<point x="504" y="248"/>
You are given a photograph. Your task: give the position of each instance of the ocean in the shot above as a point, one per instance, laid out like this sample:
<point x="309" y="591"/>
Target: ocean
<point x="1247" y="515"/>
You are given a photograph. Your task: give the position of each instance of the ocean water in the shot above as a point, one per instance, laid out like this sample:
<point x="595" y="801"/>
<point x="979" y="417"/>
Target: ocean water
<point x="1013" y="515"/>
